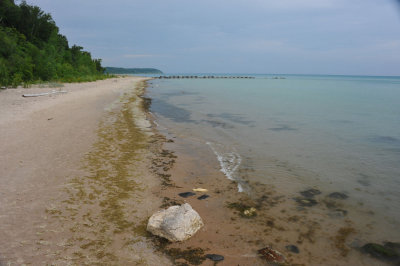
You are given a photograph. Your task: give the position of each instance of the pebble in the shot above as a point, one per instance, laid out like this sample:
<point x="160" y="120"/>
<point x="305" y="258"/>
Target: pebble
<point x="310" y="193"/>
<point x="215" y="257"/>
<point x="306" y="202"/>
<point x="338" y="213"/>
<point x="186" y="194"/>
<point x="293" y="248"/>
<point x="338" y="195"/>
<point x="203" y="197"/>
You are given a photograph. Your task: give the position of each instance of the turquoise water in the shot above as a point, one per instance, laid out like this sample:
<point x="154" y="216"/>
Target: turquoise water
<point x="337" y="133"/>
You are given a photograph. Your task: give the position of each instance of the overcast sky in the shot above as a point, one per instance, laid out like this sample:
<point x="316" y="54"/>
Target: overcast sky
<point x="236" y="36"/>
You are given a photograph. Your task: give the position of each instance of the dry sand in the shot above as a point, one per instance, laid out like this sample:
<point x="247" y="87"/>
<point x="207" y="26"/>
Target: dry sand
<point x="50" y="147"/>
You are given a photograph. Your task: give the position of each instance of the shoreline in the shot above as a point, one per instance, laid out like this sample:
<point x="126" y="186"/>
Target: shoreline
<point x="83" y="171"/>
<point x="68" y="194"/>
<point x="328" y="234"/>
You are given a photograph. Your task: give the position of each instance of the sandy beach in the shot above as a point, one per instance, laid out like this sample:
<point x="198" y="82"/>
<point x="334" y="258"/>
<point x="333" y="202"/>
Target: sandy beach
<point x="50" y="147"/>
<point x="82" y="171"/>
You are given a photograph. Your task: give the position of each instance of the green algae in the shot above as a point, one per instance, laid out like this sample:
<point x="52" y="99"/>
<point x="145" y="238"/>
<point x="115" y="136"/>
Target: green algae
<point x="190" y="255"/>
<point x="99" y="200"/>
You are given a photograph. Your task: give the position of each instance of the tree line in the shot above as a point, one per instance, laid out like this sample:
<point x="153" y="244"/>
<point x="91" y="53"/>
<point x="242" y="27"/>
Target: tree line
<point x="33" y="50"/>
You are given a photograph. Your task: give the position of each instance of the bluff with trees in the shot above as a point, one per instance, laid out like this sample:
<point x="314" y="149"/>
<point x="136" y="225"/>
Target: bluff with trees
<point x="33" y="50"/>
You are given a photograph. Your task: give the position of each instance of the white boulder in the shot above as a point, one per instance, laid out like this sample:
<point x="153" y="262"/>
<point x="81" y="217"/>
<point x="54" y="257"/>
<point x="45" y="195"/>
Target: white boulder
<point x="177" y="223"/>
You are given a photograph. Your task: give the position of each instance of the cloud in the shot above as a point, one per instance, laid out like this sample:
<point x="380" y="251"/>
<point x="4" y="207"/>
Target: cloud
<point x="296" y="4"/>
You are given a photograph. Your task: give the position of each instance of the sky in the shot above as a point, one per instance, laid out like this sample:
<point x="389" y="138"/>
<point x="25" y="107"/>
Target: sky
<point x="338" y="37"/>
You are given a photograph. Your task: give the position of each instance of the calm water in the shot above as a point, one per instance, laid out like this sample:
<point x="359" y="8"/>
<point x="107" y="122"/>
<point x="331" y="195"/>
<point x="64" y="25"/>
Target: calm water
<point x="337" y="133"/>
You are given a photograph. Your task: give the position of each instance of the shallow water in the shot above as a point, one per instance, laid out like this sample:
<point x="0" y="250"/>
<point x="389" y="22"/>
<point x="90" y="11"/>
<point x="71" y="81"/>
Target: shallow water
<point x="336" y="133"/>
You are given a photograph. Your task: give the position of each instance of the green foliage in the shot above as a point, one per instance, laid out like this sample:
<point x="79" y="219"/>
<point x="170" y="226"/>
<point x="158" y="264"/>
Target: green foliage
<point x="32" y="50"/>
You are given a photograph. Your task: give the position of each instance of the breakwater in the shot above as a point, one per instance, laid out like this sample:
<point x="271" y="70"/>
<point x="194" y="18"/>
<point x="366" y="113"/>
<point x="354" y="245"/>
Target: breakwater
<point x="206" y="77"/>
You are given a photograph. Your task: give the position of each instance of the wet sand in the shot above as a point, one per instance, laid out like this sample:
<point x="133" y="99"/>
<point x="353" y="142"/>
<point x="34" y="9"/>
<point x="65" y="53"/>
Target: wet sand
<point x="329" y="233"/>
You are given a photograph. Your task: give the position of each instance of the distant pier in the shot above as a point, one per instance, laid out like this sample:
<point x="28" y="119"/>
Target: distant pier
<point x="205" y="77"/>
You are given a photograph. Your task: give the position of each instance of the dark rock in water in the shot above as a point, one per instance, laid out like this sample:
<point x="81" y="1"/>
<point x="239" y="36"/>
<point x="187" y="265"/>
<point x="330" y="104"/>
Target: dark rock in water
<point x="306" y="202"/>
<point x="381" y="252"/>
<point x="338" y="195"/>
<point x="310" y="193"/>
<point x="338" y="213"/>
<point x="203" y="197"/>
<point x="364" y="182"/>
<point x="186" y="194"/>
<point x="393" y="245"/>
<point x="271" y="255"/>
<point x="293" y="248"/>
<point x="215" y="257"/>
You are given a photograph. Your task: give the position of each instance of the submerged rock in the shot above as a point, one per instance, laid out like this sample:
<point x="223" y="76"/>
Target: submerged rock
<point x="186" y="194"/>
<point x="378" y="251"/>
<point x="338" y="213"/>
<point x="310" y="193"/>
<point x="215" y="257"/>
<point x="177" y="223"/>
<point x="306" y="202"/>
<point x="271" y="255"/>
<point x="393" y="245"/>
<point x="338" y="195"/>
<point x="292" y="248"/>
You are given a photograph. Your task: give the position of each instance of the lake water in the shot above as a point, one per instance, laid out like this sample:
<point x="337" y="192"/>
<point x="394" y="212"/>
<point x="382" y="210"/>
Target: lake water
<point x="335" y="133"/>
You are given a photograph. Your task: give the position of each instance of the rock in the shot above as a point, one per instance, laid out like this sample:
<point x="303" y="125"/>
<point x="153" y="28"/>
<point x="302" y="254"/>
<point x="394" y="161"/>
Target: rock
<point x="338" y="213"/>
<point x="392" y="245"/>
<point x="338" y="195"/>
<point x="381" y="252"/>
<point x="186" y="194"/>
<point x="292" y="248"/>
<point x="310" y="193"/>
<point x="215" y="257"/>
<point x="271" y="255"/>
<point x="203" y="197"/>
<point x="306" y="202"/>
<point x="177" y="223"/>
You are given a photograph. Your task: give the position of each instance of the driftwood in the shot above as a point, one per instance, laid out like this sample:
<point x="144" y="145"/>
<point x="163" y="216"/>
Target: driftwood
<point x="43" y="94"/>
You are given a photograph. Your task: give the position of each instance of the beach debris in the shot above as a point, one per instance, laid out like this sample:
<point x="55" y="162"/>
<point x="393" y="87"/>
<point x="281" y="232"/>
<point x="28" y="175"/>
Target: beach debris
<point x="215" y="257"/>
<point x="245" y="211"/>
<point x="200" y="190"/>
<point x="186" y="194"/>
<point x="271" y="255"/>
<point x="310" y="193"/>
<point x="338" y="195"/>
<point x="203" y="197"/>
<point x="293" y="249"/>
<point x="43" y="94"/>
<point x="306" y="202"/>
<point x="250" y="212"/>
<point x="177" y="223"/>
<point x="387" y="252"/>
